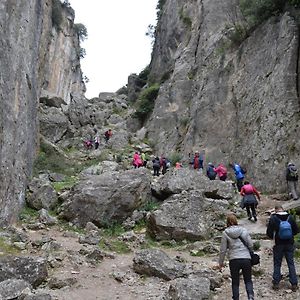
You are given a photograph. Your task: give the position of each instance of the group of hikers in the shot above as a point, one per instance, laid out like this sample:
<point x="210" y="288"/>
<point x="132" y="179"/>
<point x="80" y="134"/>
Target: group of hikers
<point x="92" y="142"/>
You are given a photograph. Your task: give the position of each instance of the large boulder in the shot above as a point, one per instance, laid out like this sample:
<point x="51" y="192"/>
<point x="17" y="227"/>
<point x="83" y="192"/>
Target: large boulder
<point x="188" y="216"/>
<point x="154" y="262"/>
<point x="176" y="181"/>
<point x="31" y="269"/>
<point x="13" y="288"/>
<point x="106" y="198"/>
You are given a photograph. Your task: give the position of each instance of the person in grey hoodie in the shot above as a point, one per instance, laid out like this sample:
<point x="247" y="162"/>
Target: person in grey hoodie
<point x="238" y="255"/>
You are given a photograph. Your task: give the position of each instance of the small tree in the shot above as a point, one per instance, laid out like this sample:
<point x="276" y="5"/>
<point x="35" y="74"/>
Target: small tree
<point x="81" y="31"/>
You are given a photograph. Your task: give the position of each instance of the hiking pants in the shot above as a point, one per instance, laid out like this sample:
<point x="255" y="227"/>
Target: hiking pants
<point x="156" y="171"/>
<point x="279" y="251"/>
<point x="251" y="213"/>
<point x="292" y="185"/>
<point x="239" y="183"/>
<point x="235" y="266"/>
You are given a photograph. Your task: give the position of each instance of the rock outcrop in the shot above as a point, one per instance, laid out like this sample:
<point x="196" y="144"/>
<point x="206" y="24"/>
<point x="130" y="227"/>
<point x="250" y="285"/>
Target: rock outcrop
<point x="238" y="102"/>
<point x="37" y="53"/>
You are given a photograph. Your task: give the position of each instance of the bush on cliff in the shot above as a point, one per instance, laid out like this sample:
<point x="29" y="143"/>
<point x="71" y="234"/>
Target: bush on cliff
<point x="56" y="15"/>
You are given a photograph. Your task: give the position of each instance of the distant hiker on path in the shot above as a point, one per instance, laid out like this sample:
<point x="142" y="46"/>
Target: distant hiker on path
<point x="210" y="172"/>
<point x="165" y="164"/>
<point x="285" y="228"/>
<point x="249" y="200"/>
<point x="238" y="254"/>
<point x="221" y="171"/>
<point x="107" y="135"/>
<point x="144" y="159"/>
<point x="292" y="180"/>
<point x="197" y="162"/>
<point x="97" y="142"/>
<point x="156" y="166"/>
<point x="137" y="162"/>
<point x="239" y="174"/>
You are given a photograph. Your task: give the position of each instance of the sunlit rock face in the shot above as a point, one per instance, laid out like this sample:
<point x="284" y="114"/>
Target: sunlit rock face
<point x="238" y="102"/>
<point x="35" y="56"/>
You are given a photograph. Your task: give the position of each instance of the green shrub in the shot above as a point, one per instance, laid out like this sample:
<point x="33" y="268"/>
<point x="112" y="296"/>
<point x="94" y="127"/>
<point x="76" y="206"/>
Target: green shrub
<point x="81" y="31"/>
<point x="185" y="19"/>
<point x="67" y="184"/>
<point x="56" y="16"/>
<point x="238" y="35"/>
<point x="145" y="102"/>
<point x="257" y="11"/>
<point x="150" y="205"/>
<point x="175" y="157"/>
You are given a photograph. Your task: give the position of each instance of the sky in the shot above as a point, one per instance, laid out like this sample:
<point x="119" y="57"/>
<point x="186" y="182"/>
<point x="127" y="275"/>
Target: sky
<point x="117" y="45"/>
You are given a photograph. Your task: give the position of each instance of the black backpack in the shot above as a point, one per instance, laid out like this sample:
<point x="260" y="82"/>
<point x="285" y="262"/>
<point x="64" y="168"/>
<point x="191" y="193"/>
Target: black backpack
<point x="293" y="172"/>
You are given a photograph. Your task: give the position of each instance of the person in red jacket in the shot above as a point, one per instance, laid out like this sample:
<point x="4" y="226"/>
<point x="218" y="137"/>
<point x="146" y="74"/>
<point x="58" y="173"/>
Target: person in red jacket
<point x="221" y="171"/>
<point x="249" y="201"/>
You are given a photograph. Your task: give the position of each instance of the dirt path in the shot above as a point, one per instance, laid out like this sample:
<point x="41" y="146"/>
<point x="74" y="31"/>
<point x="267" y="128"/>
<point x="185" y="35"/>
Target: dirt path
<point x="114" y="279"/>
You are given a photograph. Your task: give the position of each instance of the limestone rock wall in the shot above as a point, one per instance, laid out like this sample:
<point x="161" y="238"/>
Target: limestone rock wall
<point x="30" y="51"/>
<point x="239" y="103"/>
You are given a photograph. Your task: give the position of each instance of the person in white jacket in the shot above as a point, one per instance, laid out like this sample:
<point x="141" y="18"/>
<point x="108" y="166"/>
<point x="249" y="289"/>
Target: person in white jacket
<point x="238" y="255"/>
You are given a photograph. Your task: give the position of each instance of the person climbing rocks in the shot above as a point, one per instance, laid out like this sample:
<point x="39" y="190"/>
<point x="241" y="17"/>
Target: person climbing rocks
<point x="197" y="163"/>
<point x="239" y="174"/>
<point x="283" y="228"/>
<point x="201" y="159"/>
<point x="156" y="166"/>
<point x="97" y="142"/>
<point x="292" y="180"/>
<point x="178" y="165"/>
<point x="107" y="135"/>
<point x="210" y="172"/>
<point x="221" y="172"/>
<point x="137" y="161"/>
<point x="238" y="254"/>
<point x="144" y="159"/>
<point x="165" y="164"/>
<point x="249" y="201"/>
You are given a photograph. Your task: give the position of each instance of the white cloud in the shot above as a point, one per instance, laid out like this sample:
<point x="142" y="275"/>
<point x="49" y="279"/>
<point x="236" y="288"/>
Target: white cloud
<point x="117" y="45"/>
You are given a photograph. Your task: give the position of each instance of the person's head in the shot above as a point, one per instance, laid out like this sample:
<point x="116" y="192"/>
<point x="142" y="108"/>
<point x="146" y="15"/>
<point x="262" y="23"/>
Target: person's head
<point x="231" y="164"/>
<point x="290" y="164"/>
<point x="246" y="182"/>
<point x="278" y="208"/>
<point x="210" y="164"/>
<point x="231" y="220"/>
<point x="157" y="158"/>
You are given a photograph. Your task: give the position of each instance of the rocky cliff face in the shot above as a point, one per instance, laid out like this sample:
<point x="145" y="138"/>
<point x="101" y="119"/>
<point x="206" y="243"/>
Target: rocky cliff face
<point x="238" y="102"/>
<point x="34" y="56"/>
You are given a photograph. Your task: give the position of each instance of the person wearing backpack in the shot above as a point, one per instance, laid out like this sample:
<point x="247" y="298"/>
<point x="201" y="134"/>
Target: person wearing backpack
<point x="283" y="228"/>
<point x="237" y="244"/>
<point x="239" y="174"/>
<point x="221" y="171"/>
<point x="210" y="172"/>
<point x="156" y="166"/>
<point x="249" y="201"/>
<point x="292" y="180"/>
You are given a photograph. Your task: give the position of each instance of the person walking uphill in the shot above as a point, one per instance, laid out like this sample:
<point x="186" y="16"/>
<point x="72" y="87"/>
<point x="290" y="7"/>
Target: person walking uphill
<point x="249" y="200"/>
<point x="156" y="166"/>
<point x="210" y="172"/>
<point x="238" y="254"/>
<point x="239" y="173"/>
<point x="107" y="135"/>
<point x="221" y="171"/>
<point x="292" y="180"/>
<point x="285" y="228"/>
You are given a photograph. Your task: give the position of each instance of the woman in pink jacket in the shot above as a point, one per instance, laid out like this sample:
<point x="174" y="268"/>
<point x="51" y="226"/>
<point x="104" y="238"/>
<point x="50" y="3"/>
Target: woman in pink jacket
<point x="221" y="171"/>
<point x="137" y="161"/>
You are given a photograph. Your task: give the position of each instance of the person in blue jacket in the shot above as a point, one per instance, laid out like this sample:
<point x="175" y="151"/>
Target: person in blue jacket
<point x="239" y="173"/>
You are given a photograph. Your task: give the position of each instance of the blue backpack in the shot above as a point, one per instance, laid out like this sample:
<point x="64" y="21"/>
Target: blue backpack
<point x="285" y="231"/>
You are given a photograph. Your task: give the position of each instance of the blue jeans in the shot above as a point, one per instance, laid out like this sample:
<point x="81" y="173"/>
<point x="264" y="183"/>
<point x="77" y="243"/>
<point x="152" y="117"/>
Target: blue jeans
<point x="278" y="252"/>
<point x="235" y="266"/>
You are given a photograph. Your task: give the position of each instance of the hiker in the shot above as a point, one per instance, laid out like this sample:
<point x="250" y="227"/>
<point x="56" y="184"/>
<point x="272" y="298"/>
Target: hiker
<point x="210" y="172"/>
<point x="239" y="173"/>
<point x="201" y="159"/>
<point x="107" y="135"/>
<point x="156" y="166"/>
<point x="88" y="144"/>
<point x="190" y="160"/>
<point x="249" y="201"/>
<point x="96" y="142"/>
<point x="292" y="180"/>
<point x="144" y="159"/>
<point x="137" y="162"/>
<point x="197" y="163"/>
<point x="238" y="254"/>
<point x="165" y="164"/>
<point x="284" y="245"/>
<point x="178" y="165"/>
<point x="221" y="171"/>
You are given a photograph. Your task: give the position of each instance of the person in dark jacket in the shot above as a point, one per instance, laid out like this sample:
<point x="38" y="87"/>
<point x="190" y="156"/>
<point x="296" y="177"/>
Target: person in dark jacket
<point x="210" y="172"/>
<point x="249" y="201"/>
<point x="292" y="180"/>
<point x="238" y="255"/>
<point x="282" y="248"/>
<point x="156" y="166"/>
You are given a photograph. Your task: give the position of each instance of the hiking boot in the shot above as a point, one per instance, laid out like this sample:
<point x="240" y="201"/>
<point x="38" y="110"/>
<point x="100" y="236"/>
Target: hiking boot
<point x="294" y="287"/>
<point x="255" y="219"/>
<point x="275" y="286"/>
<point x="249" y="218"/>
